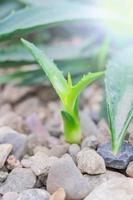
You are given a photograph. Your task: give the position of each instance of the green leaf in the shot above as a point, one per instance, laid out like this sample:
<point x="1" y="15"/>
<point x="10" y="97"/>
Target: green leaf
<point x="54" y="74"/>
<point x="72" y="130"/>
<point x="68" y="119"/>
<point x="66" y="91"/>
<point x="86" y="80"/>
<point x="17" y="76"/>
<point x="30" y="18"/>
<point x="103" y="53"/>
<point x="119" y="93"/>
<point x="77" y="67"/>
<point x="69" y="81"/>
<point x="39" y="2"/>
<point x="74" y="91"/>
<point x="19" y="55"/>
<point x="7" y="6"/>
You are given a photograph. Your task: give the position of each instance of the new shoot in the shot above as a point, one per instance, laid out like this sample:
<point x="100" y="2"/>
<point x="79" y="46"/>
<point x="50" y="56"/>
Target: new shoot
<point x="67" y="92"/>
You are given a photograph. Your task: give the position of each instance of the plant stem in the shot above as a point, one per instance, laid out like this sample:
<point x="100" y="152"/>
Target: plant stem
<point x="116" y="148"/>
<point x="117" y="145"/>
<point x="73" y="135"/>
<point x="72" y="129"/>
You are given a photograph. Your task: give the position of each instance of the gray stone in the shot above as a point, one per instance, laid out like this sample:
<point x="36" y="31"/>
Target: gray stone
<point x="34" y="194"/>
<point x="12" y="163"/>
<point x="25" y="109"/>
<point x="18" y="140"/>
<point x="5" y="150"/>
<point x="119" y="161"/>
<point x="87" y="124"/>
<point x="58" y="150"/>
<point x="40" y="148"/>
<point x="5" y="108"/>
<point x="3" y="176"/>
<point x="95" y="180"/>
<point x="114" y="189"/>
<point x="41" y="139"/>
<point x="90" y="141"/>
<point x="40" y="163"/>
<point x="13" y="93"/>
<point x="129" y="169"/>
<point x="47" y="94"/>
<point x="18" y="180"/>
<point x="65" y="174"/>
<point x="104" y="132"/>
<point x="73" y="151"/>
<point x="14" y="121"/>
<point x="90" y="162"/>
<point x="10" y="196"/>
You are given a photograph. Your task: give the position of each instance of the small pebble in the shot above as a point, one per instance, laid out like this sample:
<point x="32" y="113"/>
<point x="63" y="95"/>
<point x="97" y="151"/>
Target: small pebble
<point x="17" y="140"/>
<point x="87" y="124"/>
<point x="5" y="150"/>
<point x="59" y="195"/>
<point x="18" y="180"/>
<point x="41" y="149"/>
<point x="58" y="150"/>
<point x="95" y="180"/>
<point x="90" y="162"/>
<point x="118" y="161"/>
<point x="13" y="162"/>
<point x="65" y="174"/>
<point x="90" y="141"/>
<point x="3" y="176"/>
<point x="40" y="163"/>
<point x="10" y="196"/>
<point x="129" y="169"/>
<point x="114" y="189"/>
<point x="34" y="194"/>
<point x="73" y="151"/>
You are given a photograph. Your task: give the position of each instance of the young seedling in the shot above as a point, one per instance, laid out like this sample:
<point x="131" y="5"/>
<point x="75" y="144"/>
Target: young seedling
<point x="67" y="92"/>
<point x="119" y="96"/>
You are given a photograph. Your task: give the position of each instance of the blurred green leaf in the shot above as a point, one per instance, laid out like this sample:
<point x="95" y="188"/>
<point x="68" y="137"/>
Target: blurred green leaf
<point x="119" y="95"/>
<point x="36" y="76"/>
<point x="17" y="55"/>
<point x="103" y="54"/>
<point x="40" y="2"/>
<point x="30" y="18"/>
<point x="8" y="6"/>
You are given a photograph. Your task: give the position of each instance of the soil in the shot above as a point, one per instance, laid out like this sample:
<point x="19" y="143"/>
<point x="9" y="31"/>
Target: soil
<point x="36" y="162"/>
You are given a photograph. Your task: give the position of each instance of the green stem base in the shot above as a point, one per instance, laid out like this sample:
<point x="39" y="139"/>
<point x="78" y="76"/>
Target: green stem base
<point x="73" y="136"/>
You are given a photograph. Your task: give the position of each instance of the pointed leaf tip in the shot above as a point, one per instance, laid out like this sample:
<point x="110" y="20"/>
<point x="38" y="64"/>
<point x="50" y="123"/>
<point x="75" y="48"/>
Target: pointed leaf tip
<point x="53" y="73"/>
<point x="69" y="80"/>
<point x="86" y="80"/>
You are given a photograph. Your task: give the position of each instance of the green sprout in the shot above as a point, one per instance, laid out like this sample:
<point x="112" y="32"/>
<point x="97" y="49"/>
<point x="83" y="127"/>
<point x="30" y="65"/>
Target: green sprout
<point x="67" y="92"/>
<point x="119" y="96"/>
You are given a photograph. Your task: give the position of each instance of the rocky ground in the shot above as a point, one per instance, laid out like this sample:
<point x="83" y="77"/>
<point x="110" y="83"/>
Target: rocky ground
<point x="37" y="164"/>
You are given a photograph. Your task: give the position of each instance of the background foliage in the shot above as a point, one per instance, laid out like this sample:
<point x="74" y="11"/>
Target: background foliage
<point x="62" y="28"/>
